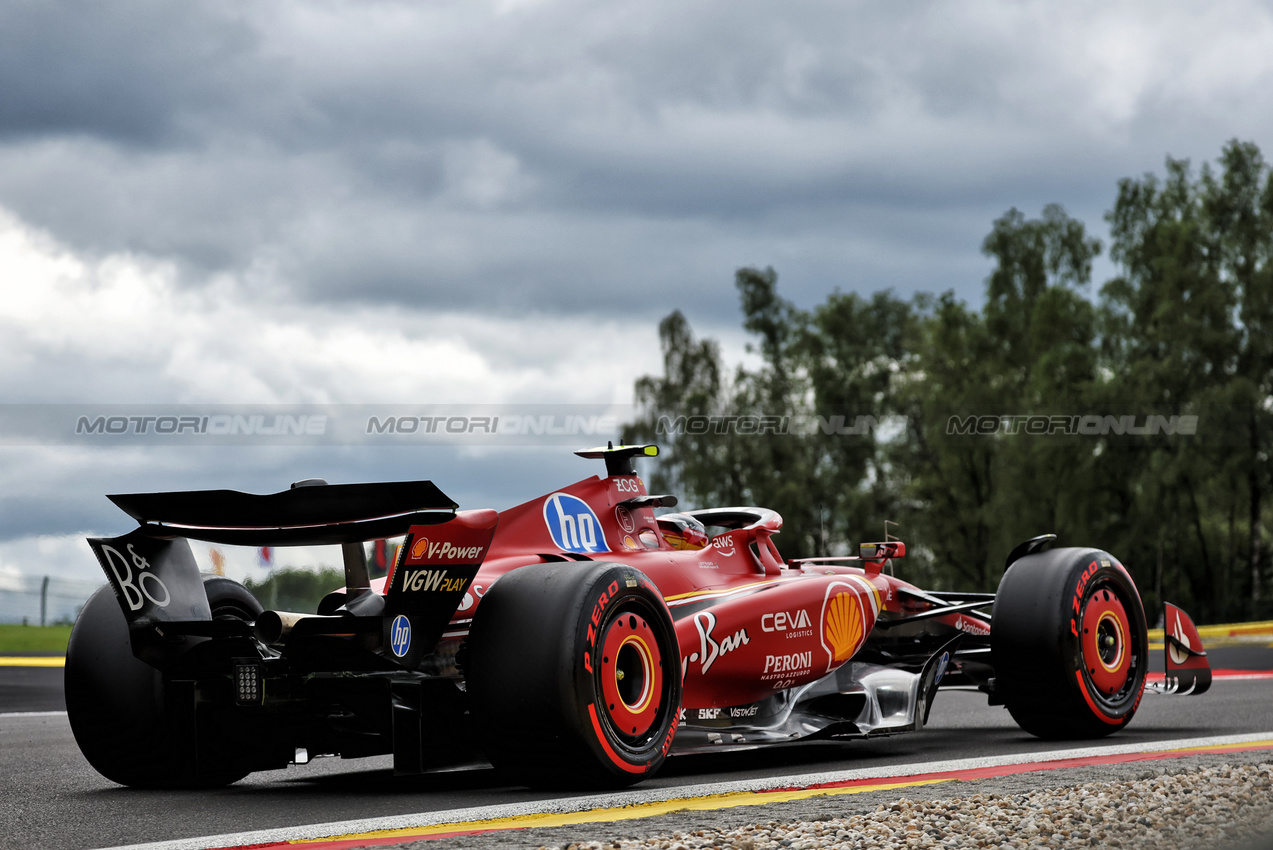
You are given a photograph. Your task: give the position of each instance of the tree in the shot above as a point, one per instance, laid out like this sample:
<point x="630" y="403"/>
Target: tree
<point x="296" y="589"/>
<point x="855" y="353"/>
<point x="746" y="451"/>
<point x="972" y="496"/>
<point x="1239" y="207"/>
<point x="1187" y="330"/>
<point x="691" y="386"/>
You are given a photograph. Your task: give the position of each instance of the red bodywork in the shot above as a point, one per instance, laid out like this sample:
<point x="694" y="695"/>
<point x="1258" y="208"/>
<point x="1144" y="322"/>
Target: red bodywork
<point x="748" y="624"/>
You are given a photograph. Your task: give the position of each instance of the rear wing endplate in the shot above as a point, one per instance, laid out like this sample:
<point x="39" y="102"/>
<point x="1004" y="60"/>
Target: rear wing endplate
<point x="157" y="582"/>
<point x="434" y="570"/>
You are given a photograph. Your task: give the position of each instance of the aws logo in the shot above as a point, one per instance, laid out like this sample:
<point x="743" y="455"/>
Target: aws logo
<point x="573" y="525"/>
<point x="724" y="544"/>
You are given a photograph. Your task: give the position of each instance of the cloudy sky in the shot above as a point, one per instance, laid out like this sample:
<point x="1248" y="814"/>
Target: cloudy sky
<point x="354" y="203"/>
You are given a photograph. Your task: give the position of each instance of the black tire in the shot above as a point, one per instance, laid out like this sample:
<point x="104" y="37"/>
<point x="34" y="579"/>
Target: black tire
<point x="575" y="676"/>
<point x="1069" y="644"/>
<point x="230" y="600"/>
<point x="116" y="703"/>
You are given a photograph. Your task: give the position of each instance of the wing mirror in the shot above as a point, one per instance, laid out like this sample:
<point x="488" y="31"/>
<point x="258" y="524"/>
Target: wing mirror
<point x="882" y="551"/>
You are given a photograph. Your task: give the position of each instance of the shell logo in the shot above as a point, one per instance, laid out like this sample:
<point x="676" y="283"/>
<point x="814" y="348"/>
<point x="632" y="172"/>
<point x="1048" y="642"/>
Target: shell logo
<point x="846" y="621"/>
<point x="843" y="628"/>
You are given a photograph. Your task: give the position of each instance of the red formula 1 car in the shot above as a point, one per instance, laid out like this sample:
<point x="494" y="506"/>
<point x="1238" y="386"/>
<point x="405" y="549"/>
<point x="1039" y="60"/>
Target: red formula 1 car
<point x="576" y="639"/>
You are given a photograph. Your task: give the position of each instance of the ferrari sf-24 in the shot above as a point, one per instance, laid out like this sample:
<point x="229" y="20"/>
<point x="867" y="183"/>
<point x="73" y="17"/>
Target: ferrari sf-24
<point x="577" y="639"/>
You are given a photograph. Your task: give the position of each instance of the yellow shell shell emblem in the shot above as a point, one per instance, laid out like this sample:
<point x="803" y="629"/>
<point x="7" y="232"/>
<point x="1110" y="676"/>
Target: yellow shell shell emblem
<point x="843" y="629"/>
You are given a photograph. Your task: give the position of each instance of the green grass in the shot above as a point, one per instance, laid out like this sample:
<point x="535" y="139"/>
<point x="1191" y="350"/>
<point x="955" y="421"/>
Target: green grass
<point x="27" y="640"/>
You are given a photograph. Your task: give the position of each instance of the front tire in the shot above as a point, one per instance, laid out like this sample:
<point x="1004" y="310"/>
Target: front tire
<point x="117" y="704"/>
<point x="1069" y="643"/>
<point x="574" y="673"/>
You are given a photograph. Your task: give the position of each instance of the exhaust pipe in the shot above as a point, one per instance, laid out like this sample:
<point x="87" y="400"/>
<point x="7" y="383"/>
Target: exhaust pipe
<point x="274" y="628"/>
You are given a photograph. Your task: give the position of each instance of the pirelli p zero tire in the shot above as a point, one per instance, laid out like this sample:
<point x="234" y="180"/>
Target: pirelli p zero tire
<point x="116" y="704"/>
<point x="1069" y="644"/>
<point x="574" y="674"/>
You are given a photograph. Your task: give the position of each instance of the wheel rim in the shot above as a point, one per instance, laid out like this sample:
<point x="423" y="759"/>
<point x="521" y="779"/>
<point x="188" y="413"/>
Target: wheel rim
<point x="631" y="675"/>
<point x="1106" y="643"/>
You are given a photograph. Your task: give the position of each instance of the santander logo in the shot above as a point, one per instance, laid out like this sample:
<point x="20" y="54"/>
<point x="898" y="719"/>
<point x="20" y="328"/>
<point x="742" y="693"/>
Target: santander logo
<point x="1177" y="655"/>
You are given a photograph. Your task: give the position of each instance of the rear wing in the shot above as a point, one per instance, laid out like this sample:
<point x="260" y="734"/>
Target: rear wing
<point x="309" y="514"/>
<point x="157" y="580"/>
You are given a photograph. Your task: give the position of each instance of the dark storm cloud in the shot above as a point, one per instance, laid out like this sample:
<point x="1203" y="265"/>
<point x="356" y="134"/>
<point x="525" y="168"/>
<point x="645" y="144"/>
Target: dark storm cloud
<point x="315" y="200"/>
<point x="137" y="73"/>
<point x="560" y="156"/>
<point x="556" y="156"/>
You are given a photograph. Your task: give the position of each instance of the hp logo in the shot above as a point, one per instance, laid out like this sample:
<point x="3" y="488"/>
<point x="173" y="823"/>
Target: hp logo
<point x="400" y="635"/>
<point x="573" y="525"/>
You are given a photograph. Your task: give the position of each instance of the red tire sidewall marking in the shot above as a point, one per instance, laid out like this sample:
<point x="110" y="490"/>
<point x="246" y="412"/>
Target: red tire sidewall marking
<point x="1097" y="711"/>
<point x="616" y="759"/>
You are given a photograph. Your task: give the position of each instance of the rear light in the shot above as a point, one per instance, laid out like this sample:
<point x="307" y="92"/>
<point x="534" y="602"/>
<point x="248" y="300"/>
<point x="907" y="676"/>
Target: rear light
<point x="249" y="688"/>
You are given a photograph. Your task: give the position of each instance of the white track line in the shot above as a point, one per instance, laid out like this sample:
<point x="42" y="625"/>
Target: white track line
<point x="4" y="714"/>
<point x="659" y="795"/>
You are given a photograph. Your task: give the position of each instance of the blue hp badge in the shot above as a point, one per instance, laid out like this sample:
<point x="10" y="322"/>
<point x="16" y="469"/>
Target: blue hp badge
<point x="573" y="525"/>
<point x="400" y="635"/>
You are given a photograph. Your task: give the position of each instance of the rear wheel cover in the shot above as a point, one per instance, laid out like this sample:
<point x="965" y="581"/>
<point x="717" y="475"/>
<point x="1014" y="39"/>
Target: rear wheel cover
<point x="628" y="681"/>
<point x="1106" y="644"/>
<point x="630" y="676"/>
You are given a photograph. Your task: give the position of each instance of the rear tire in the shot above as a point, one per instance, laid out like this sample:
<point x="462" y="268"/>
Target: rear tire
<point x="116" y="704"/>
<point x="1069" y="644"/>
<point x="230" y="600"/>
<point x="574" y="673"/>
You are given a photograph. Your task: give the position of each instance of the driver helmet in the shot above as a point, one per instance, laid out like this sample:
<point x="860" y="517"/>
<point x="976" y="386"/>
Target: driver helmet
<point x="683" y="531"/>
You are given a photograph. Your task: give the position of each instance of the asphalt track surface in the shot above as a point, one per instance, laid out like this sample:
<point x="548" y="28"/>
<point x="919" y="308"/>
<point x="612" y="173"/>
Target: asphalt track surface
<point x="51" y="798"/>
